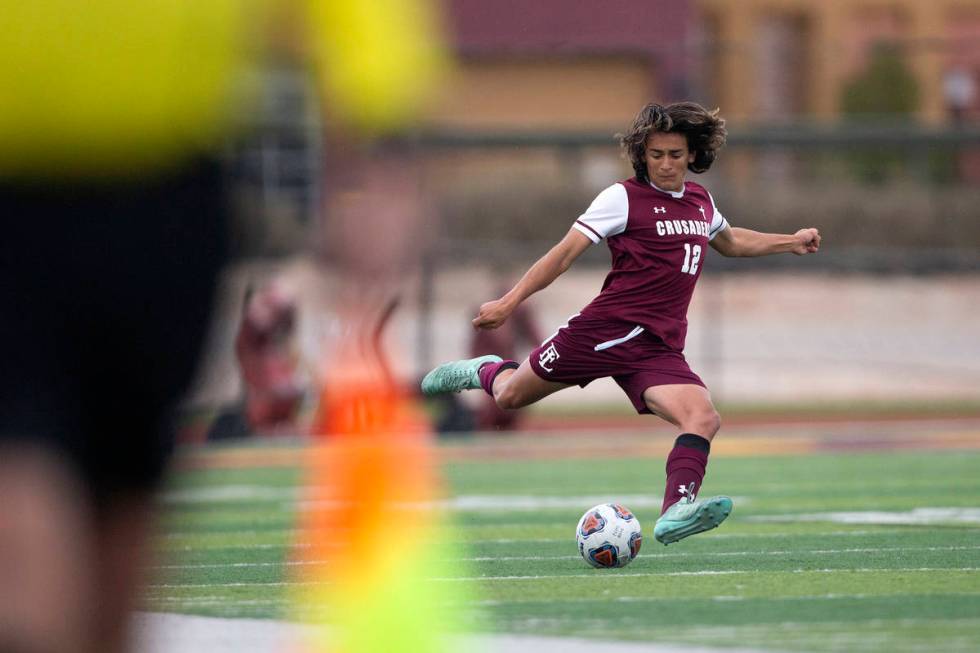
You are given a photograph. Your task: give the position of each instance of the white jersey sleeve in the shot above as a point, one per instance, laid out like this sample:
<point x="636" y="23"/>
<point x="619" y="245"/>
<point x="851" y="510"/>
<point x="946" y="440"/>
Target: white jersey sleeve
<point x="607" y="215"/>
<point x="718" y="221"/>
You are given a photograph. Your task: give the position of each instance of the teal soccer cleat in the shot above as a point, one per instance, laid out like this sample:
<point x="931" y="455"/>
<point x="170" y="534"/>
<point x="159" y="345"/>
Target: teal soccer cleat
<point x="687" y="517"/>
<point x="456" y="376"/>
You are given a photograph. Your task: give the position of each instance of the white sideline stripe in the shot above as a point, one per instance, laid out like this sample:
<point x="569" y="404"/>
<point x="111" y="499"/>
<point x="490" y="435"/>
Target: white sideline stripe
<point x="916" y="516"/>
<point x="720" y="572"/>
<point x="172" y="633"/>
<point x="612" y="343"/>
<point x="702" y="554"/>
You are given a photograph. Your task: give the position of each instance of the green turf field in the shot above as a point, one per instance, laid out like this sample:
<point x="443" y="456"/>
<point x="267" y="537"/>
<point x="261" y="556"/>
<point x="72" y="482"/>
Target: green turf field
<point x="800" y="565"/>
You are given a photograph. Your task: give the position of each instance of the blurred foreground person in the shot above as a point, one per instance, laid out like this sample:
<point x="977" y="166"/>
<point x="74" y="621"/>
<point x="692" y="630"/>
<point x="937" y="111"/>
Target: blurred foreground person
<point x="657" y="227"/>
<point x="112" y="234"/>
<point x="107" y="292"/>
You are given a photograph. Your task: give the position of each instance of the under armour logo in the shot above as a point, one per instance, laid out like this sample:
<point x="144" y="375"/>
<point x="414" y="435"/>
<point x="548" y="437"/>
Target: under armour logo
<point x="687" y="490"/>
<point x="659" y="209"/>
<point x="701" y="209"/>
<point x="548" y="356"/>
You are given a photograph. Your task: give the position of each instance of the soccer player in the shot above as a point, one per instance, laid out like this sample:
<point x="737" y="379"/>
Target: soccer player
<point x="657" y="226"/>
<point x="265" y="348"/>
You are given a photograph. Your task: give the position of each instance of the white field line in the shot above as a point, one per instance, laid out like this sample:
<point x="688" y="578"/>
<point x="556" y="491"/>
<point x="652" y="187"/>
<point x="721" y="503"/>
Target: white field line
<point x="286" y="545"/>
<point x="294" y="494"/>
<point x="170" y="633"/>
<point x="719" y="598"/>
<point x="701" y="554"/>
<point x="280" y="600"/>
<point x="465" y="502"/>
<point x="723" y="554"/>
<point x="916" y="516"/>
<point x="720" y="572"/>
<point x="502" y="540"/>
<point x="169" y="602"/>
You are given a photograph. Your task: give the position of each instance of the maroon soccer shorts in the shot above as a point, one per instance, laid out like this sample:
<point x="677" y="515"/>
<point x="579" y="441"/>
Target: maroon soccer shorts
<point x="588" y="349"/>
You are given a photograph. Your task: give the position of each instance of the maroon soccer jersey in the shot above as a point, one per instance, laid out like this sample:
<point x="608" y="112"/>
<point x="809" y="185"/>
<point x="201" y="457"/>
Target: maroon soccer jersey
<point x="658" y="240"/>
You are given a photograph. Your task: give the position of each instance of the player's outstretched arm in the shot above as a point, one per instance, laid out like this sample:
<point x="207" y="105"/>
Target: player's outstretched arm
<point x="735" y="241"/>
<point x="540" y="275"/>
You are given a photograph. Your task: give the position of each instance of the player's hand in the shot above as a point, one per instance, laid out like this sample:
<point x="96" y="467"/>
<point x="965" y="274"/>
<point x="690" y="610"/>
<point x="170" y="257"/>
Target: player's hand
<point x="492" y="315"/>
<point x="809" y="241"/>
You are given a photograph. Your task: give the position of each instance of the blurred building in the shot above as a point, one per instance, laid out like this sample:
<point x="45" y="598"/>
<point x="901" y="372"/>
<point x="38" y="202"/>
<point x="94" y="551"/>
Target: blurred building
<point x="587" y="66"/>
<point x="778" y="59"/>
<point x="563" y="65"/>
<point x="539" y="89"/>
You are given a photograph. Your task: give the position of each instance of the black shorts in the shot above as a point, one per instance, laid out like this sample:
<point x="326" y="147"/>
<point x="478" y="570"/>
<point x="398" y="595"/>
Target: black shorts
<point x="105" y="296"/>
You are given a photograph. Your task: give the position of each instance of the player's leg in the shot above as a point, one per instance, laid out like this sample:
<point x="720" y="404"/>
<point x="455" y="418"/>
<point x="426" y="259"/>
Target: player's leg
<point x="456" y="376"/>
<point x="688" y="407"/>
<point x="511" y="385"/>
<point x="567" y="358"/>
<point x="516" y="388"/>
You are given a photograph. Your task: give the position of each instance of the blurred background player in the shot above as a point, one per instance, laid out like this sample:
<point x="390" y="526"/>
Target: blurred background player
<point x="657" y="227"/>
<point x="512" y="339"/>
<point x="515" y="337"/>
<point x="270" y="367"/>
<point x="265" y="348"/>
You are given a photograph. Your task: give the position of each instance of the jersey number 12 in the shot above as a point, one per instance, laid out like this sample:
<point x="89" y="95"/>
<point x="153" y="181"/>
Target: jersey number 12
<point x="692" y="258"/>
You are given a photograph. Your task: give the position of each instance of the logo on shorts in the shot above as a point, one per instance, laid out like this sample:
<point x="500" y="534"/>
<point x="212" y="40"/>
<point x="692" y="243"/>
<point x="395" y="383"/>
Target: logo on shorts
<point x="548" y="357"/>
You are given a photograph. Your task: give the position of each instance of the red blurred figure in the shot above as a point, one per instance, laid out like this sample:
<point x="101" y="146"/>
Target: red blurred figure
<point x="265" y="349"/>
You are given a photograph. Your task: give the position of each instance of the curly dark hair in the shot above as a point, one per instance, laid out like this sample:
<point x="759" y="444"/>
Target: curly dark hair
<point x="704" y="130"/>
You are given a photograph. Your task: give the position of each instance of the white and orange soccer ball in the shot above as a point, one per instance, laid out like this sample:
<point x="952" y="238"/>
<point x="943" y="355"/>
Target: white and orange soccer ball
<point x="608" y="535"/>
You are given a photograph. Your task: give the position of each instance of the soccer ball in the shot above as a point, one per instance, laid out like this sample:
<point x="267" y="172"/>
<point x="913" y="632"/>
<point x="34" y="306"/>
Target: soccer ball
<point x="608" y="535"/>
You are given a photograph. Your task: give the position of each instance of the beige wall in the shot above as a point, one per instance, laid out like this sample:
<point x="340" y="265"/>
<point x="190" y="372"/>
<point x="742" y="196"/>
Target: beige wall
<point x="519" y="93"/>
